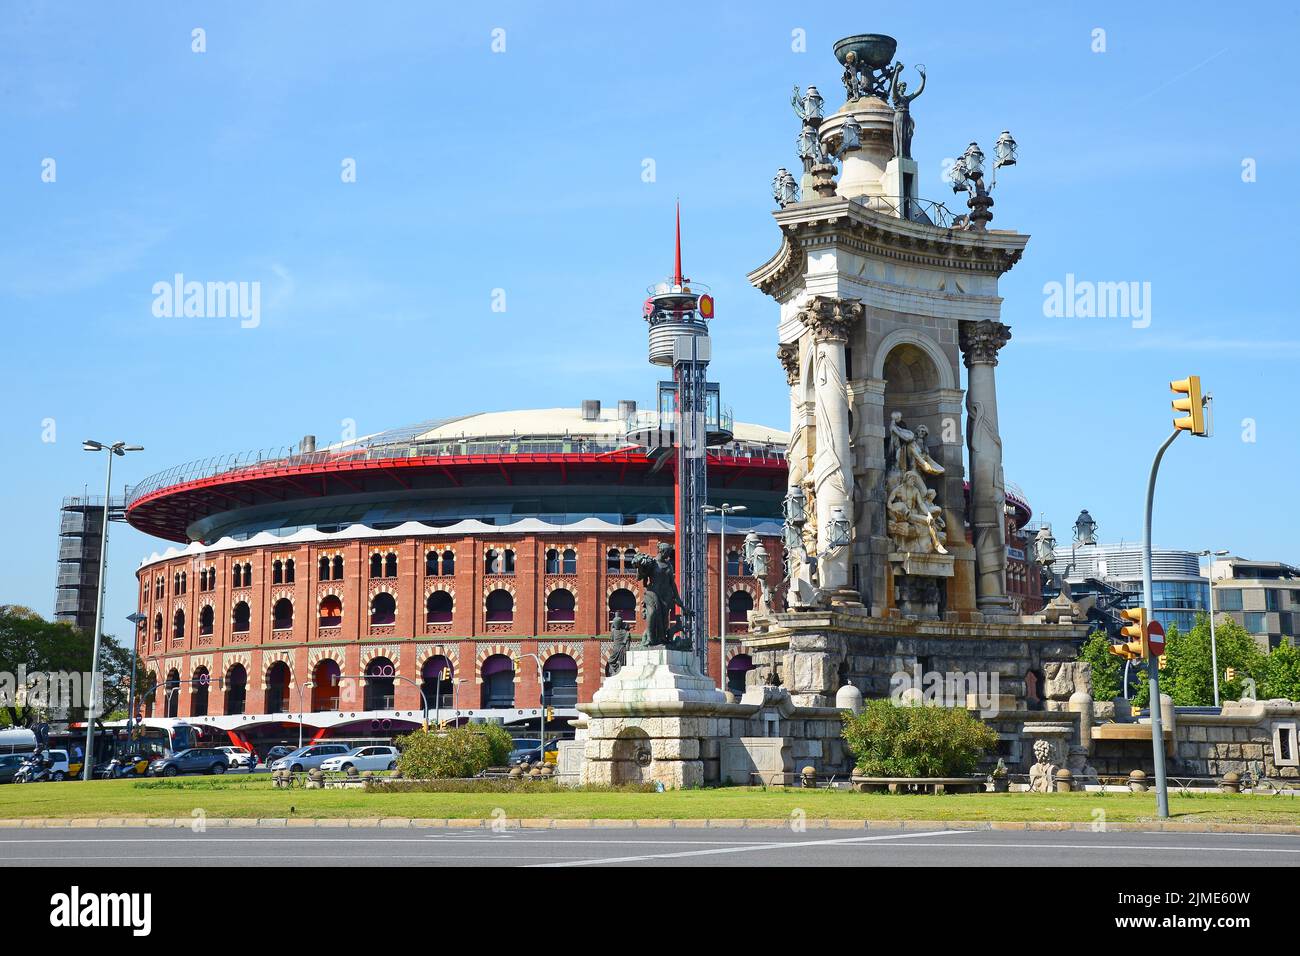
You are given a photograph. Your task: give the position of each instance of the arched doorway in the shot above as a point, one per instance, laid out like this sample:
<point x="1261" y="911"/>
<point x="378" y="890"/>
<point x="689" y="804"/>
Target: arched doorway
<point x="199" y="693"/>
<point x="738" y="607"/>
<point x="498" y="682"/>
<point x="151" y="682"/>
<point x="325" y="686"/>
<point x="737" y="668"/>
<point x="276" y="699"/>
<point x="236" y="689"/>
<point x="436" y="678"/>
<point x="379" y="684"/>
<point x="560" y="681"/>
<point x="172" y="693"/>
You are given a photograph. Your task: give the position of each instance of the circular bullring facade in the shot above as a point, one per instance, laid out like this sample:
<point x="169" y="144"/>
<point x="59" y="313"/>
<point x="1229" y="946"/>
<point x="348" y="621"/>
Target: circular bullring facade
<point x="473" y="565"/>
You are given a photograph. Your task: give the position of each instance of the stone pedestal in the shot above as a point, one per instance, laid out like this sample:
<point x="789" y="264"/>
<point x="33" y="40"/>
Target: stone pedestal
<point x="655" y="721"/>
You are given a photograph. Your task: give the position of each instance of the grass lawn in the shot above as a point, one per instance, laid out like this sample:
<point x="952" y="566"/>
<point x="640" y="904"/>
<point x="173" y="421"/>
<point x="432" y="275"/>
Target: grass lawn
<point x="236" y="797"/>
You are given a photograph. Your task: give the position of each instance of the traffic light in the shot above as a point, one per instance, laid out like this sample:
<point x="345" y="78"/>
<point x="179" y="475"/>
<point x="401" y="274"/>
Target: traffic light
<point x="1230" y="675"/>
<point x="1163" y="660"/>
<point x="550" y="713"/>
<point x="1135" y="648"/>
<point x="1190" y="405"/>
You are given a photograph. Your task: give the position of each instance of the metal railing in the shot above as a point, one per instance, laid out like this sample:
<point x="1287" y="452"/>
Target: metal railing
<point x="927" y="212"/>
<point x="403" y="444"/>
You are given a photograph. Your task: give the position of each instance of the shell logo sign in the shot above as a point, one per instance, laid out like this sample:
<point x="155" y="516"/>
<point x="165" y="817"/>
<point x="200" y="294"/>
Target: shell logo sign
<point x="706" y="306"/>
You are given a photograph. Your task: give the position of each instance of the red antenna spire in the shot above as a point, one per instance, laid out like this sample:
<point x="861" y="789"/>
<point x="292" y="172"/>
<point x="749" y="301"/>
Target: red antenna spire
<point x="677" y="260"/>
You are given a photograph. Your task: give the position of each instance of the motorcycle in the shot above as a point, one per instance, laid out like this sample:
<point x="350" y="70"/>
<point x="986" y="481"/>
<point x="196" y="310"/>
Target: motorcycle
<point x="35" y="769"/>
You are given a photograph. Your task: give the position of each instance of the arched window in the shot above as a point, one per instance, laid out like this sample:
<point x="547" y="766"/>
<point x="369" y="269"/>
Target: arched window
<point x="570" y="561"/>
<point x="236" y="689"/>
<point x="431" y="563"/>
<point x="560" y="681"/>
<point x="448" y="562"/>
<point x="733" y="563"/>
<point x="737" y="667"/>
<point x="436" y="681"/>
<point x="500" y="607"/>
<point x="560" y="605"/>
<point x="276" y="700"/>
<point x="282" y="615"/>
<point x="498" y="682"/>
<point x="390" y="565"/>
<point x="185" y="586"/>
<point x="552" y="561"/>
<point x="288" y="571"/>
<point x="383" y="609"/>
<point x="323" y="571"/>
<point x="622" y="602"/>
<point x="338" y="567"/>
<point x="509" y="561"/>
<point x="203" y="579"/>
<point x="325" y="686"/>
<point x="629" y="560"/>
<point x="612" y="561"/>
<point x="277" y="571"/>
<point x="176" y="583"/>
<point x="172" y="693"/>
<point x="376" y="565"/>
<point x="331" y="611"/>
<point x="207" y="618"/>
<point x="199" y="693"/>
<point x="157" y="627"/>
<point x="236" y="575"/>
<point x="178" y="625"/>
<point x="438" y="608"/>
<point x="379" y="684"/>
<point x="738" y="607"/>
<point x="492" y="561"/>
<point x="241" y="618"/>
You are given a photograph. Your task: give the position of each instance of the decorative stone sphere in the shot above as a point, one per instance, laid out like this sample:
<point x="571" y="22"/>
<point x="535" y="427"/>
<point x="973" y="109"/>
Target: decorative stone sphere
<point x="1137" y="781"/>
<point x="849" y="697"/>
<point x="547" y="770"/>
<point x="1231" y="782"/>
<point x="516" y="771"/>
<point x="1064" y="781"/>
<point x="535" y="772"/>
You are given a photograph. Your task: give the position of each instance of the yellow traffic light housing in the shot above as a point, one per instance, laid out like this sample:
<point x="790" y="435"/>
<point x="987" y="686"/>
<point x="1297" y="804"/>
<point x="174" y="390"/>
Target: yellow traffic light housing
<point x="1191" y="405"/>
<point x="1135" y="648"/>
<point x="1163" y="660"/>
<point x="1230" y="674"/>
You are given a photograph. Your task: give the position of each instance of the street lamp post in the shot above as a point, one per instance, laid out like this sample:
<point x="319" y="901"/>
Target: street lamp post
<point x="722" y="511"/>
<point x="120" y="449"/>
<point x="1214" y="649"/>
<point x="136" y="620"/>
<point x="541" y="707"/>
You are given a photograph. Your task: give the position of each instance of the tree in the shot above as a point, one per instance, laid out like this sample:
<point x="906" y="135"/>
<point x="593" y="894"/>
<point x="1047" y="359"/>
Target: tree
<point x="1188" y="676"/>
<point x="1107" y="668"/>
<point x="1282" y="673"/>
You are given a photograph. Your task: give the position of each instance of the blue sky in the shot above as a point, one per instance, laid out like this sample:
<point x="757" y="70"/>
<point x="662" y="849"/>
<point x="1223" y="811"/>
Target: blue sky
<point x="522" y="170"/>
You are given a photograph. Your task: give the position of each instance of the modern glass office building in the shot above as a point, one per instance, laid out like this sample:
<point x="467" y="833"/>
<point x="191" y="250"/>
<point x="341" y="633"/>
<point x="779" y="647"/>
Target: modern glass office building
<point x="1180" y="590"/>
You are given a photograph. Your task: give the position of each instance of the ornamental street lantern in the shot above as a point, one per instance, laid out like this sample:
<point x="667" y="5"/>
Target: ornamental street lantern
<point x="785" y="189"/>
<point x="1005" y="150"/>
<point x="1045" y="546"/>
<point x="1085" y="528"/>
<point x="837" y="530"/>
<point x="974" y="160"/>
<point x="850" y="136"/>
<point x="795" y="506"/>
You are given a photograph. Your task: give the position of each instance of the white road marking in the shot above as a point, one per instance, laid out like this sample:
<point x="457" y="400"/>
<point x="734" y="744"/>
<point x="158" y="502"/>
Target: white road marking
<point x="759" y="846"/>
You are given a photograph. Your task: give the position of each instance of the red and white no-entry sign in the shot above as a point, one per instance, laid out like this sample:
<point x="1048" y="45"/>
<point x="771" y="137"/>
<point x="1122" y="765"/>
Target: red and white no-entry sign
<point x="1156" y="638"/>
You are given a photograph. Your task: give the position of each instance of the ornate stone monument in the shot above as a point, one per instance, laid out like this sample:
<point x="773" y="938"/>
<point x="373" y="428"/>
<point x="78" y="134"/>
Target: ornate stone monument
<point x="896" y="523"/>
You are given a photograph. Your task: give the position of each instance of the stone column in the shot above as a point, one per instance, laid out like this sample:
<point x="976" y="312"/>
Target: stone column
<point x="830" y="321"/>
<point x="787" y="354"/>
<point x="980" y="342"/>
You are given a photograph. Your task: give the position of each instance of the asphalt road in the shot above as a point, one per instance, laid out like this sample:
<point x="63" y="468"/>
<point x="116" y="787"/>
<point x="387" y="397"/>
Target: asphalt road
<point x="632" y="847"/>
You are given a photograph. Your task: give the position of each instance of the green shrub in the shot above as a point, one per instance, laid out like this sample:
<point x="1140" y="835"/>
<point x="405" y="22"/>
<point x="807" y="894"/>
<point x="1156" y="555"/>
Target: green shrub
<point x="461" y="752"/>
<point x="892" y="741"/>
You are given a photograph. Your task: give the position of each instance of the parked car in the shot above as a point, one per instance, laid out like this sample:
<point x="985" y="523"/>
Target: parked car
<point x="238" y="756"/>
<point x="193" y="760"/>
<point x="276" y="752"/>
<point x="9" y="764"/>
<point x="526" y="749"/>
<point x="363" y="758"/>
<point x="309" y="758"/>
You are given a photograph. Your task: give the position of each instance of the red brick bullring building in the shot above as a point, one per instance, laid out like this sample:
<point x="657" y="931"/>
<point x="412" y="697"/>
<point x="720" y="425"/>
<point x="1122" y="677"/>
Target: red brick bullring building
<point x="331" y="587"/>
<point x="340" y="589"/>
